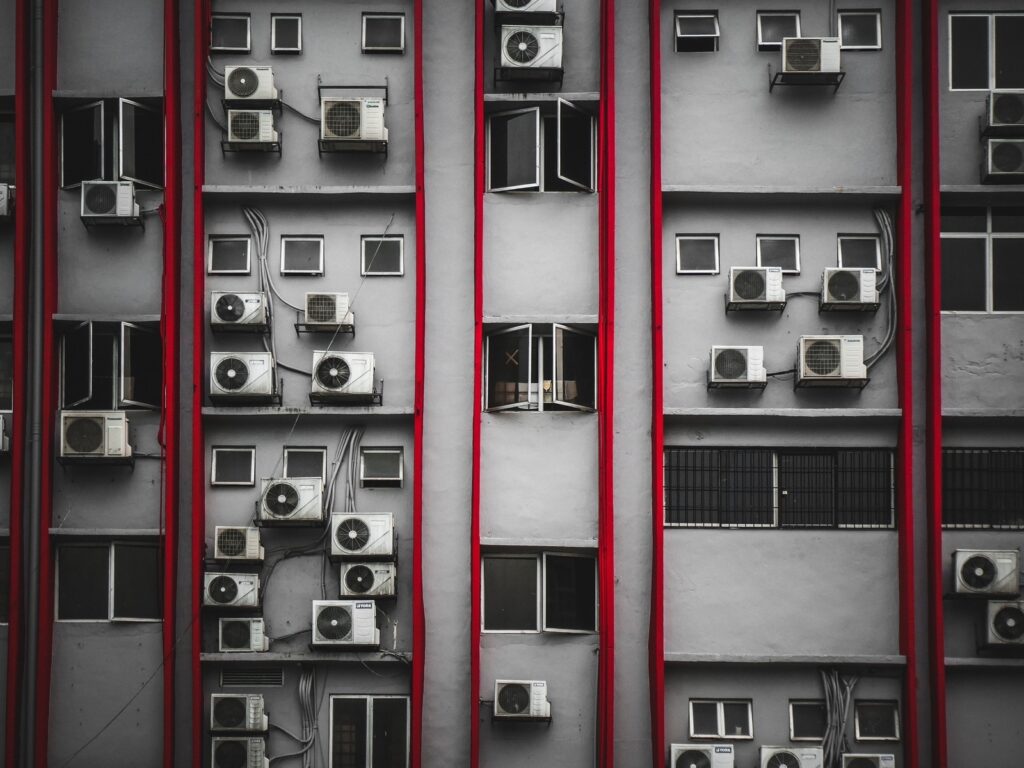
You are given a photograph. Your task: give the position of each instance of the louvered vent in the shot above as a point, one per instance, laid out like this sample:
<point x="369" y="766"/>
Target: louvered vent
<point x="237" y="676"/>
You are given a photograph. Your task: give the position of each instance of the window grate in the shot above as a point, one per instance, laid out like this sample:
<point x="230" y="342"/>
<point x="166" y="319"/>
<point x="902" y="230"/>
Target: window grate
<point x="983" y="488"/>
<point x="238" y="676"/>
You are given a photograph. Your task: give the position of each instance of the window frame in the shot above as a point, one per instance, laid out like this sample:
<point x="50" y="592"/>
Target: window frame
<point x="122" y="362"/>
<point x="369" y="699"/>
<point x="991" y="18"/>
<point x="275" y="49"/>
<point x="381" y="15"/>
<point x="538" y="170"/>
<point x="676" y="36"/>
<point x="92" y="105"/>
<point x="853" y="236"/>
<point x="365" y="239"/>
<point x="139" y="182"/>
<point x="538" y="613"/>
<point x="543" y="594"/>
<point x="520" y="404"/>
<point x="763" y="45"/>
<point x="250" y="449"/>
<point x="109" y="545"/>
<point x="557" y="377"/>
<point x="248" y="32"/>
<point x="794" y="238"/>
<point x="543" y="175"/>
<point x="590" y="185"/>
<point x="117" y="332"/>
<point x="720" y="703"/>
<point x="876" y="702"/>
<point x="792" y="731"/>
<point x="989" y="236"/>
<point x="305" y="449"/>
<point x="228" y="238"/>
<point x="988" y="520"/>
<point x="285" y="239"/>
<point x="398" y="482"/>
<point x="876" y="12"/>
<point x="680" y="236"/>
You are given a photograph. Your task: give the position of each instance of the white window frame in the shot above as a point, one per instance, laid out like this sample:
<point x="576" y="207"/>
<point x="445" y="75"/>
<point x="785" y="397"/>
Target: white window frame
<point x="226" y="238"/>
<point x="538" y="165"/>
<point x="399" y="450"/>
<point x="122" y="361"/>
<point x="530" y="381"/>
<point x="991" y="48"/>
<point x="250" y="449"/>
<point x="122" y="142"/>
<point x="285" y="239"/>
<point x="721" y="719"/>
<point x="860" y="12"/>
<point x="274" y="18"/>
<point x="381" y="15"/>
<point x="677" y="36"/>
<point x="368" y="736"/>
<point x="306" y="449"/>
<point x="544" y="594"/>
<point x="851" y="236"/>
<point x="538" y="613"/>
<point x="796" y="241"/>
<point x="875" y="702"/>
<point x="989" y="237"/>
<point x="762" y="45"/>
<point x="363" y="264"/>
<point x="792" y="730"/>
<point x="111" y="618"/>
<point x="248" y="32"/>
<point x="696" y="236"/>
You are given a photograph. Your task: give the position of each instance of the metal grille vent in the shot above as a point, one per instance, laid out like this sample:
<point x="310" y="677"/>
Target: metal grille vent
<point x="321" y="308"/>
<point x="231" y="542"/>
<point x="822" y="357"/>
<point x="85" y="435"/>
<point x="522" y="46"/>
<point x="803" y="54"/>
<point x="245" y="126"/>
<point x="749" y="284"/>
<point x="255" y="676"/>
<point x="342" y="119"/>
<point x="101" y="198"/>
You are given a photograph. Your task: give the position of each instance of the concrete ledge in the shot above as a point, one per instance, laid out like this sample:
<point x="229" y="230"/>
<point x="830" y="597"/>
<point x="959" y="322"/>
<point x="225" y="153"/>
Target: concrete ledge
<point x="879" y="414"/>
<point x="270" y="657"/>
<point x="780" y="194"/>
<point x="106" y="532"/>
<point x="566" y="319"/>
<point x="533" y="544"/>
<point x="526" y="96"/>
<point x="983" y="413"/>
<point x="715" y="658"/>
<point x="362" y="193"/>
<point x="271" y="411"/>
<point x="973" y="662"/>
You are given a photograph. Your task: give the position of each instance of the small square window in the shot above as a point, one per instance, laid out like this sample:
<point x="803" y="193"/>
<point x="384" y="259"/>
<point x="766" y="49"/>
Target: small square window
<point x="570" y="593"/>
<point x="860" y="30"/>
<point x="381" y="468"/>
<point x="697" y="32"/>
<point x="697" y="254"/>
<point x="229" y="32"/>
<point x="305" y="462"/>
<point x="859" y="251"/>
<point x="383" y="255"/>
<point x="383" y="32"/>
<point x="234" y="465"/>
<point x="773" y="26"/>
<point x="964" y="274"/>
<point x="229" y="255"/>
<point x="1007" y="274"/>
<point x="286" y="33"/>
<point x="302" y="255"/>
<point x="511" y="588"/>
<point x="807" y="720"/>
<point x="877" y="720"/>
<point x="721" y="719"/>
<point x="779" y="251"/>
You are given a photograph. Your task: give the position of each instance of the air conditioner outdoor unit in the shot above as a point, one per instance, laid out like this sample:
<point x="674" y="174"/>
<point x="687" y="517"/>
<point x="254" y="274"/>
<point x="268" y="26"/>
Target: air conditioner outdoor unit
<point x="242" y="636"/>
<point x="792" y="757"/>
<point x="363" y="580"/>
<point x="987" y="572"/>
<point x="345" y="623"/>
<point x="844" y="288"/>
<point x="248" y="83"/>
<point x="531" y="47"/>
<point x="241" y="712"/>
<point x="339" y="375"/>
<point x="526" y="6"/>
<point x="252" y="129"/>
<point x="6" y="201"/>
<point x="242" y="376"/>
<point x="1005" y="112"/>
<point x="292" y="501"/>
<point x="238" y="311"/>
<point x="237" y="543"/>
<point x="109" y="202"/>
<point x="239" y="752"/>
<point x="5" y="443"/>
<point x="327" y="311"/>
<point x="755" y="288"/>
<point x="231" y="590"/>
<point x="863" y="760"/>
<point x="362" y="536"/>
<point x="353" y="125"/>
<point x="831" y="361"/>
<point x="94" y="435"/>
<point x="810" y="54"/>
<point x="521" y="700"/>
<point x="1004" y="161"/>
<point x="741" y="367"/>
<point x="702" y="756"/>
<point x="1005" y="623"/>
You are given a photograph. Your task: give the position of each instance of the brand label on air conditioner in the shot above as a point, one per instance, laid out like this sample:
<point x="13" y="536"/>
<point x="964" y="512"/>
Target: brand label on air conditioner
<point x="724" y="750"/>
<point x="365" y="605"/>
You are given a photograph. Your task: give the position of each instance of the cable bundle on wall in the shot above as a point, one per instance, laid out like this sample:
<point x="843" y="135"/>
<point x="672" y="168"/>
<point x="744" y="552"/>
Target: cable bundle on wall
<point x="886" y="286"/>
<point x="308" y="715"/>
<point x="838" y="695"/>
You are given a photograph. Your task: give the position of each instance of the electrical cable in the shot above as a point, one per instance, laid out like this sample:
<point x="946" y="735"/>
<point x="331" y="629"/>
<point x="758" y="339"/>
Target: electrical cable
<point x="209" y="111"/>
<point x="290" y="108"/>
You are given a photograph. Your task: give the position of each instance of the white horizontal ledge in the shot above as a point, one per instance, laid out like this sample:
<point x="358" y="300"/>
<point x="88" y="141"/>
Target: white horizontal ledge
<point x="974" y="662"/>
<point x="271" y="411"/>
<point x="271" y="657"/>
<point x="866" y="660"/>
<point x="740" y="192"/>
<point x="368" y="192"/>
<point x="786" y="413"/>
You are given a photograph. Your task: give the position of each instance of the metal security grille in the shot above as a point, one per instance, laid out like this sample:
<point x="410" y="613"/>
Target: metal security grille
<point x="791" y="488"/>
<point x="983" y="488"/>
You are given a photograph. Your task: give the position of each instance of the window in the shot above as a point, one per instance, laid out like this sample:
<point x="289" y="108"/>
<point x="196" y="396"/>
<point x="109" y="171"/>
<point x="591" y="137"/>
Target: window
<point x="286" y="33"/>
<point x="5" y="581"/>
<point x="305" y="462"/>
<point x="233" y="465"/>
<point x="985" y="51"/>
<point x="876" y="720"/>
<point x="982" y="259"/>
<point x="531" y="152"/>
<point x="107" y="366"/>
<point x="696" y="254"/>
<point x="983" y="488"/>
<point x="229" y="255"/>
<point x="773" y="26"/>
<point x="6" y="373"/>
<point x="549" y="591"/>
<point x="807" y="720"/>
<point x="779" y="251"/>
<point x="141" y="148"/>
<point x="383" y="32"/>
<point x="302" y="255"/>
<point x="860" y="251"/>
<point x="229" y="32"/>
<point x="382" y="255"/>
<point x="721" y="719"/>
<point x="697" y="32"/>
<point x="860" y="30"/>
<point x="92" y="135"/>
<point x="792" y="488"/>
<point x="82" y="143"/>
<point x="381" y="467"/>
<point x="7" y="148"/>
<point x="540" y="367"/>
<point x="109" y="581"/>
<point x="369" y="732"/>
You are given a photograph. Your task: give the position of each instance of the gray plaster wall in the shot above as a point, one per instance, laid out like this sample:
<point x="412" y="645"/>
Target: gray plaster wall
<point x="983" y="716"/>
<point x="982" y="361"/>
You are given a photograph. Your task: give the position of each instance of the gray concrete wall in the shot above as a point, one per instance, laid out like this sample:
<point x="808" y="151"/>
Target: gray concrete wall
<point x="982" y="708"/>
<point x="982" y="361"/>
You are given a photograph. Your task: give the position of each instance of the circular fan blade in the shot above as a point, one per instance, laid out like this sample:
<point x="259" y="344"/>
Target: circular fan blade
<point x="229" y="712"/>
<point x="85" y="435"/>
<point x="230" y="754"/>
<point x="822" y="357"/>
<point x="334" y="622"/>
<point x="352" y="534"/>
<point x="514" y="698"/>
<point x="229" y="308"/>
<point x="231" y="373"/>
<point x="783" y="760"/>
<point x="333" y="372"/>
<point x="730" y="364"/>
<point x="691" y="758"/>
<point x="522" y="47"/>
<point x="101" y="198"/>
<point x="235" y="634"/>
<point x="223" y="590"/>
<point x="281" y="499"/>
<point x="843" y="286"/>
<point x="243" y="82"/>
<point x="978" y="572"/>
<point x="359" y="579"/>
<point x="749" y="284"/>
<point x="231" y="542"/>
<point x="1009" y="623"/>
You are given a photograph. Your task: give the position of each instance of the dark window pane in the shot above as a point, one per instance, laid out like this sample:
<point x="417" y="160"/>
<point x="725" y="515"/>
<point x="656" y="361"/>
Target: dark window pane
<point x="383" y="33"/>
<point x="955" y="219"/>
<point x="691" y="486"/>
<point x="876" y="720"/>
<point x="1009" y="51"/>
<point x="809" y="720"/>
<point x="697" y="254"/>
<point x="963" y="274"/>
<point x="864" y="488"/>
<point x="382" y="255"/>
<point x="83" y="581"/>
<point x="287" y="36"/>
<point x="381" y="468"/>
<point x="229" y="255"/>
<point x="300" y="462"/>
<point x="390" y="729"/>
<point x="229" y="33"/>
<point x="965" y="490"/>
<point x="704" y="718"/>
<point x="513" y="150"/>
<point x="7" y="149"/>
<point x="969" y="51"/>
<point x="806" y="489"/>
<point x="302" y="256"/>
<point x="233" y="465"/>
<point x="142" y="144"/>
<point x="859" y="252"/>
<point x="1008" y="220"/>
<point x="570" y="593"/>
<point x="6" y="374"/>
<point x="745" y="496"/>
<point x="137" y="581"/>
<point x="348" y="733"/>
<point x="5" y="581"/>
<point x="575" y="145"/>
<point x="778" y="252"/>
<point x="82" y="145"/>
<point x="508" y="379"/>
<point x="774" y="27"/>
<point x="575" y="365"/>
<point x="510" y="593"/>
<point x="76" y="364"/>
<point x="105" y="373"/>
<point x="1006" y="488"/>
<point x="696" y="25"/>
<point x="859" y="30"/>
<point x="736" y="718"/>
<point x="551" y="181"/>
<point x="1008" y="274"/>
<point x="142" y="371"/>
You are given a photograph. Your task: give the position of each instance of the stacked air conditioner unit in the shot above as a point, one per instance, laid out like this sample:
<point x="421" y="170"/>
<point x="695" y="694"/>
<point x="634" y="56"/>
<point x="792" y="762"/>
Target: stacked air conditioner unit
<point x="526" y="6"/>
<point x="1004" y="114"/>
<point x="531" y="47"/>
<point x="1002" y="131"/>
<point x="831" y="361"/>
<point x="810" y="55"/>
<point x="237" y="544"/>
<point x="986" y="572"/>
<point x="6" y="201"/>
<point x="100" y="436"/>
<point x="109" y="202"/>
<point x="755" y="288"/>
<point x="1004" y="627"/>
<point x="704" y="755"/>
<point x="292" y="501"/>
<point x="737" y="367"/>
<point x="231" y="590"/>
<point x="353" y="124"/>
<point x="239" y="752"/>
<point x="849" y="289"/>
<point x="242" y="636"/>
<point x="792" y="757"/>
<point x="521" y="700"/>
<point x="345" y="623"/>
<point x="238" y="311"/>
<point x="328" y="311"/>
<point x="252" y="129"/>
<point x="249" y="84"/>
<point x="362" y="537"/>
<point x="368" y="580"/>
<point x="339" y="376"/>
<point x="238" y="713"/>
<point x="864" y="760"/>
<point x="242" y="377"/>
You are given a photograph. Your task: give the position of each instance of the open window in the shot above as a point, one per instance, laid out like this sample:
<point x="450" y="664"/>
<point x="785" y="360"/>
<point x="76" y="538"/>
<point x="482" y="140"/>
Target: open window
<point x="112" y="139"/>
<point x="860" y="251"/>
<point x="111" y="365"/>
<point x="141" y="147"/>
<point x="141" y="385"/>
<point x="696" y="32"/>
<point x="533" y="592"/>
<point x="5" y="576"/>
<point x="574" y="159"/>
<point x="513" y="144"/>
<point x="570" y="593"/>
<point x="381" y="467"/>
<point x="83" y="132"/>
<point x="876" y="720"/>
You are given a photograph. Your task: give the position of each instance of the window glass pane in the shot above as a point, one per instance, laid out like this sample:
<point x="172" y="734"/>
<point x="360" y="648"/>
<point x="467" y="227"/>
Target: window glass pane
<point x="508" y="376"/>
<point x="5" y="581"/>
<point x="105" y="373"/>
<point x="968" y="50"/>
<point x="81" y="144"/>
<point x="83" y="581"/>
<point x="1008" y="220"/>
<point x="775" y="26"/>
<point x="137" y="581"/>
<point x="956" y="219"/>
<point x="229" y="33"/>
<point x="575" y="150"/>
<point x="287" y="33"/>
<point x="510" y="593"/>
<point x="876" y="719"/>
<point x="696" y="25"/>
<point x="575" y="365"/>
<point x="704" y="718"/>
<point x="1009" y="51"/>
<point x="348" y="733"/>
<point x="142" y="144"/>
<point x="382" y="255"/>
<point x="859" y="252"/>
<point x="806" y="489"/>
<point x="864" y="488"/>
<point x="808" y="719"/>
<point x="233" y="466"/>
<point x="302" y="256"/>
<point x="778" y="252"/>
<point x="142" y="366"/>
<point x="6" y="374"/>
<point x="965" y="488"/>
<point x="229" y="255"/>
<point x="1008" y="274"/>
<point x="859" y="30"/>
<point x="691" y="486"/>
<point x="513" y="150"/>
<point x="745" y="496"/>
<point x="736" y="718"/>
<point x="76" y="362"/>
<point x="7" y="149"/>
<point x="1006" y="484"/>
<point x="569" y="593"/>
<point x="380" y="468"/>
<point x="383" y="33"/>
<point x="304" y="462"/>
<point x="697" y="254"/>
<point x="389" y="733"/>
<point x="963" y="274"/>
<point x="551" y="181"/>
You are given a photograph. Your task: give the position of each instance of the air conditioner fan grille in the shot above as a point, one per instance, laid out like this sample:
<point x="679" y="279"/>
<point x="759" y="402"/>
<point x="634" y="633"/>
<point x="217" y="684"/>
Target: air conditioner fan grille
<point x="844" y="286"/>
<point x="281" y="499"/>
<point x="223" y="590"/>
<point x="749" y="284"/>
<point x="334" y="622"/>
<point x="231" y="373"/>
<point x="342" y="119"/>
<point x="243" y="82"/>
<point x="359" y="579"/>
<point x="245" y="126"/>
<point x="229" y="712"/>
<point x="236" y="634"/>
<point x="231" y="542"/>
<point x="803" y="54"/>
<point x="822" y="357"/>
<point x="84" y="435"/>
<point x="230" y="754"/>
<point x="352" y="534"/>
<point x="862" y="762"/>
<point x="1008" y="108"/>
<point x="1007" y="157"/>
<point x="1009" y="623"/>
<point x="978" y="572"/>
<point x="783" y="760"/>
<point x="101" y="198"/>
<point x="693" y="758"/>
<point x="730" y="364"/>
<point x="230" y="308"/>
<point x="522" y="46"/>
<point x="517" y="3"/>
<point x="514" y="698"/>
<point x="333" y="372"/>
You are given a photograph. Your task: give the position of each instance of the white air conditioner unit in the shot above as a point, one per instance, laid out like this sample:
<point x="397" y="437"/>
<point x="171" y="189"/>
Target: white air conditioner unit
<point x="1004" y="161"/>
<point x="5" y="443"/>
<point x="242" y="376"/>
<point x="248" y="83"/>
<point x="526" y="6"/>
<point x="531" y="47"/>
<point x="327" y="311"/>
<point x="238" y="713"/>
<point x="242" y="636"/>
<point x="831" y="361"/>
<point x="237" y="543"/>
<point x="109" y="202"/>
<point x="239" y="752"/>
<point x="6" y="201"/>
<point x="792" y="757"/>
<point x="987" y="572"/>
<point x="845" y="288"/>
<point x="252" y="129"/>
<point x="238" y="311"/>
<point x="292" y="501"/>
<point x="702" y="755"/>
<point x="362" y="536"/>
<point x="342" y="374"/>
<point x="864" y="760"/>
<point x="345" y="623"/>
<point x="737" y="367"/>
<point x="231" y="590"/>
<point x="368" y="579"/>
<point x="816" y="55"/>
<point x="755" y="288"/>
<point x="94" y="435"/>
<point x="1005" y="623"/>
<point x="521" y="700"/>
<point x="353" y="125"/>
<point x="1005" y="112"/>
